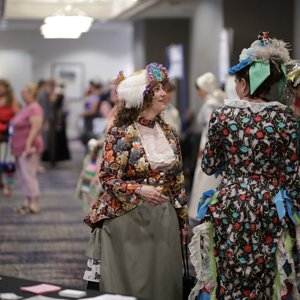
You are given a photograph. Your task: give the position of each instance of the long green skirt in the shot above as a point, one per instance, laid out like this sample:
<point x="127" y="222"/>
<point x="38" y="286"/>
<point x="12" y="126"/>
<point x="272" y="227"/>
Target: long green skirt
<point x="140" y="253"/>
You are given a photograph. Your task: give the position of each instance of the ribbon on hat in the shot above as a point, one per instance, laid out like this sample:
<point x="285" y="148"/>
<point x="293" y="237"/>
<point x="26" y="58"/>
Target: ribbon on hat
<point x="258" y="73"/>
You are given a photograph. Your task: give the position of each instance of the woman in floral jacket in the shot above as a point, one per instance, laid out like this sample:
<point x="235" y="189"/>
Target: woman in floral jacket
<point x="136" y="218"/>
<point x="245" y="247"/>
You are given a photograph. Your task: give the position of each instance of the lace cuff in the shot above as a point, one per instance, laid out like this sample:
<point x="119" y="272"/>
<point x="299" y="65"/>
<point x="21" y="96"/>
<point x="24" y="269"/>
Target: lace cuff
<point x="202" y="258"/>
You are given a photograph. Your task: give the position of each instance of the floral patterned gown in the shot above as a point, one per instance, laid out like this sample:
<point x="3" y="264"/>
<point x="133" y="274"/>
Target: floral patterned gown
<point x="138" y="245"/>
<point x="254" y="209"/>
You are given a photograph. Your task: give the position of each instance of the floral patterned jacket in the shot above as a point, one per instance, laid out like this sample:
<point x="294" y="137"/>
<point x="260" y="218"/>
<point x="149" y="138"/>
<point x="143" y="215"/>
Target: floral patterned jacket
<point x="124" y="168"/>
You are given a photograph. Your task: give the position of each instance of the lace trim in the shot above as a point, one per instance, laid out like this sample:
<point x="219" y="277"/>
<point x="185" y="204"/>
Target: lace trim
<point x="282" y="257"/>
<point x="200" y="248"/>
<point x="254" y="106"/>
<point x="92" y="270"/>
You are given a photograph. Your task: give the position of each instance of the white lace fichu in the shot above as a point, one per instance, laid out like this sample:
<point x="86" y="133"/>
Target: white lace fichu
<point x="254" y="106"/>
<point x="157" y="148"/>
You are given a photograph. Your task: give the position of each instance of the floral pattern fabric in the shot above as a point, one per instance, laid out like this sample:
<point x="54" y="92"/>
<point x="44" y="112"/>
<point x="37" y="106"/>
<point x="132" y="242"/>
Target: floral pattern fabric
<point x="255" y="145"/>
<point x="125" y="167"/>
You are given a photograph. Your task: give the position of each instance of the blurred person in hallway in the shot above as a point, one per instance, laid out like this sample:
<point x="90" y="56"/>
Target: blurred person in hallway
<point x="212" y="97"/>
<point x="88" y="186"/>
<point x="143" y="205"/>
<point x="43" y="97"/>
<point x="8" y="108"/>
<point x="91" y="110"/>
<point x="27" y="145"/>
<point x="58" y="149"/>
<point x="171" y="113"/>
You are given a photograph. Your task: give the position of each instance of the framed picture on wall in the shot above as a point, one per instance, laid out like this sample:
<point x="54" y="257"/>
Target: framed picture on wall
<point x="71" y="75"/>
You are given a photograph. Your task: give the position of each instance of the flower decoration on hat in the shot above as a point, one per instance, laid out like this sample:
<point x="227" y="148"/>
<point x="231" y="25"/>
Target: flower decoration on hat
<point x="135" y="87"/>
<point x="157" y="73"/>
<point x="259" y="55"/>
<point x="264" y="38"/>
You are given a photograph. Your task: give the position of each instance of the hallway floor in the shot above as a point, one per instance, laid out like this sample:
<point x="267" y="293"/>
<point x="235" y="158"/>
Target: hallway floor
<point x="48" y="246"/>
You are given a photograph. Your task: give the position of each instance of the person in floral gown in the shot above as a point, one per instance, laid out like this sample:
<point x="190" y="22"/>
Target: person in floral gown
<point x="245" y="247"/>
<point x="135" y="245"/>
<point x="293" y="92"/>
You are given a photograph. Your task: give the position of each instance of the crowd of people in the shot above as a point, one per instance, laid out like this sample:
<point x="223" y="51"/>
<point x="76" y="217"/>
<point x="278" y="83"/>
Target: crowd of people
<point x="30" y="134"/>
<point x="241" y="214"/>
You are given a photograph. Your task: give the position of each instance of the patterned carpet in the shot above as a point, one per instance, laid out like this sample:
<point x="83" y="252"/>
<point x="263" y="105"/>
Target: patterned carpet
<point x="48" y="246"/>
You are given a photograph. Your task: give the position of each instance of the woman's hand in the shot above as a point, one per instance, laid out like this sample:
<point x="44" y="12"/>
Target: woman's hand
<point x="153" y="194"/>
<point x="29" y="150"/>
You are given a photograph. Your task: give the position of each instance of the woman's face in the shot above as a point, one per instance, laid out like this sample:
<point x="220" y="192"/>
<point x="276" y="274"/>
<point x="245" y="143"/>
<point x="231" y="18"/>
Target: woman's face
<point x="3" y="90"/>
<point x="201" y="93"/>
<point x="26" y="95"/>
<point x="159" y="103"/>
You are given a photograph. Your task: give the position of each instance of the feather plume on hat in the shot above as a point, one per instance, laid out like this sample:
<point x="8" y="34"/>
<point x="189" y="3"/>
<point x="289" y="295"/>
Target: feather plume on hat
<point x="132" y="88"/>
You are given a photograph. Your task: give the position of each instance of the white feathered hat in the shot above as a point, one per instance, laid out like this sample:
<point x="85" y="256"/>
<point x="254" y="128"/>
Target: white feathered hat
<point x="135" y="87"/>
<point x="207" y="82"/>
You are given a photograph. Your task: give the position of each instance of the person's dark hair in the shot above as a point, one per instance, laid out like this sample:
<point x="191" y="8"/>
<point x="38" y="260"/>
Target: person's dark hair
<point x="96" y="84"/>
<point x="41" y="83"/>
<point x="126" y="116"/>
<point x="264" y="90"/>
<point x="290" y="85"/>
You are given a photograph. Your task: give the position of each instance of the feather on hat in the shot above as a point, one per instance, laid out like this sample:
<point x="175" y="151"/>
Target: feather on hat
<point x="133" y="88"/>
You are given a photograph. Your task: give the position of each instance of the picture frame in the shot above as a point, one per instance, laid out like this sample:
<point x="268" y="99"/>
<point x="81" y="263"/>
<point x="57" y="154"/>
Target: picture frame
<point x="71" y="75"/>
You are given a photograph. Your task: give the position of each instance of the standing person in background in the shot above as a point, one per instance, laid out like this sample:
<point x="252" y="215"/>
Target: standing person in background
<point x="293" y="99"/>
<point x="246" y="239"/>
<point x="91" y="110"/>
<point x="58" y="149"/>
<point x="88" y="186"/>
<point x="171" y="113"/>
<point x="43" y="97"/>
<point x="293" y="92"/>
<point x="59" y="105"/>
<point x="8" y="108"/>
<point x="136" y="218"/>
<point x="27" y="145"/>
<point x="212" y="97"/>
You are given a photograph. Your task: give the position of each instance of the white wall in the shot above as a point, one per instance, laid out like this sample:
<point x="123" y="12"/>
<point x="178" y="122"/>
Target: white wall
<point x="103" y="53"/>
<point x="207" y="24"/>
<point x="11" y="62"/>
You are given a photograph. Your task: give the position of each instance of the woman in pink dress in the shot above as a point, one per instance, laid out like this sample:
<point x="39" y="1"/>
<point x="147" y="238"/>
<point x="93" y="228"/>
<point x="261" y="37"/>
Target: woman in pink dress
<point x="27" y="145"/>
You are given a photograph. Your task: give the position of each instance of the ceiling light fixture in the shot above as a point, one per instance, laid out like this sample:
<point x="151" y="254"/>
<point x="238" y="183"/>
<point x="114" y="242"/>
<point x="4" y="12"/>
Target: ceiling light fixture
<point x="68" y="23"/>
